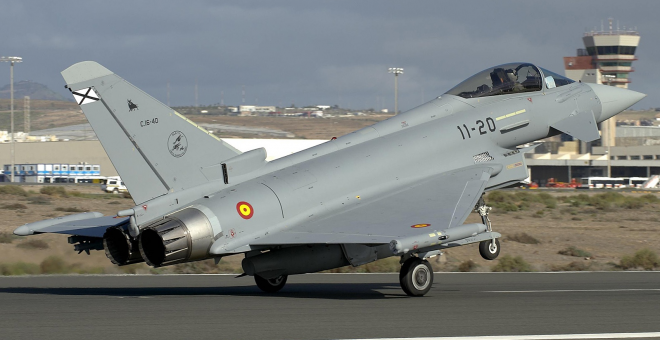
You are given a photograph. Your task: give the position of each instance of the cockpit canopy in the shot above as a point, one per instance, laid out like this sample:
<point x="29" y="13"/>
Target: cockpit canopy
<point x="508" y="79"/>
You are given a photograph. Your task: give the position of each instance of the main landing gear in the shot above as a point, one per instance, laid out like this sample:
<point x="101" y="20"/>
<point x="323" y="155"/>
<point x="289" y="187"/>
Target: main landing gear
<point x="270" y="285"/>
<point x="416" y="276"/>
<point x="489" y="249"/>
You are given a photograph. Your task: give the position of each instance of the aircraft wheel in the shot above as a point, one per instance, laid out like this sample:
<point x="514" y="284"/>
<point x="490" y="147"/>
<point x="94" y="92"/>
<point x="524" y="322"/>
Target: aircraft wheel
<point x="270" y="285"/>
<point x="416" y="277"/>
<point x="489" y="250"/>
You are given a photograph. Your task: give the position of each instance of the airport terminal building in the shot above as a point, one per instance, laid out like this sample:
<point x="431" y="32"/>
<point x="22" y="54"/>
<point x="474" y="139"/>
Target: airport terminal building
<point x="54" y="173"/>
<point x="548" y="161"/>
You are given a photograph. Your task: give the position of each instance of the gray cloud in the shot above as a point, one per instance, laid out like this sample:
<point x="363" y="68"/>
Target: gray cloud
<point x="302" y="52"/>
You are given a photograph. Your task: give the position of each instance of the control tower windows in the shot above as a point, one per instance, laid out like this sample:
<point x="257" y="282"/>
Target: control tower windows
<point x="611" y="50"/>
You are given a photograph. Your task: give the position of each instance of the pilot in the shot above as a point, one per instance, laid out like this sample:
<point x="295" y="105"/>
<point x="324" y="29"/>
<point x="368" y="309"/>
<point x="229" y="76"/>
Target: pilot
<point x="512" y="80"/>
<point x="501" y="81"/>
<point x="498" y="77"/>
<point x="483" y="89"/>
<point x="511" y="75"/>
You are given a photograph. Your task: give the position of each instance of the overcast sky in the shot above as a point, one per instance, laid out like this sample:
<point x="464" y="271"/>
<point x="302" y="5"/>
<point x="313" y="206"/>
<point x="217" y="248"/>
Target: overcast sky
<point x="311" y="52"/>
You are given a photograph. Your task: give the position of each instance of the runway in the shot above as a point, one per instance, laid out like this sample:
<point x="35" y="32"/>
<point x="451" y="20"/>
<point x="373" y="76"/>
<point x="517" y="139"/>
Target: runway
<point x="327" y="306"/>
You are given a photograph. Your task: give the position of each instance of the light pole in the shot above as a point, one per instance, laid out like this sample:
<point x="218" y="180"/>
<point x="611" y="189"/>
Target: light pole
<point x="396" y="71"/>
<point x="11" y="60"/>
<point x="607" y="125"/>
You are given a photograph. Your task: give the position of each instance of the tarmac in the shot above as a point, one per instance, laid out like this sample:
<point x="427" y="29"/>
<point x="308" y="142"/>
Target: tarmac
<point x="329" y="306"/>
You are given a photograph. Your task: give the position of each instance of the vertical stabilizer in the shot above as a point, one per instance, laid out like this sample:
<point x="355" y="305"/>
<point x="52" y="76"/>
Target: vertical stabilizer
<point x="155" y="149"/>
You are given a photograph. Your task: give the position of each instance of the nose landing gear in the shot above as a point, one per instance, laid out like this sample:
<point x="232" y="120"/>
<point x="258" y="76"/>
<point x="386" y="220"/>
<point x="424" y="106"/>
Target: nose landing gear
<point x="489" y="249"/>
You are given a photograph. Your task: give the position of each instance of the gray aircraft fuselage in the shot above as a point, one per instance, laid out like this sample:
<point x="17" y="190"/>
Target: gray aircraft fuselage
<point x="401" y="187"/>
<point x="354" y="169"/>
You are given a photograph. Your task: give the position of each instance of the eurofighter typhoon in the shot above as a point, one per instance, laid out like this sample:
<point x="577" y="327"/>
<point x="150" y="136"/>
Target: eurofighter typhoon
<point x="402" y="187"/>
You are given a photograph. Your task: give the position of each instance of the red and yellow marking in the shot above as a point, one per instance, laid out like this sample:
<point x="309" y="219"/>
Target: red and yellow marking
<point x="245" y="210"/>
<point x="514" y="165"/>
<point x="420" y="225"/>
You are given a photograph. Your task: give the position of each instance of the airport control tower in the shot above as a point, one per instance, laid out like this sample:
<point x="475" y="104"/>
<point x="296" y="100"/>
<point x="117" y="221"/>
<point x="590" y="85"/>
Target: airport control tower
<point x="606" y="59"/>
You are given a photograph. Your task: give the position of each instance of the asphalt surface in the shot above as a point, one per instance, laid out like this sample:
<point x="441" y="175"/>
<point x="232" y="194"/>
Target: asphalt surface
<point x="326" y="306"/>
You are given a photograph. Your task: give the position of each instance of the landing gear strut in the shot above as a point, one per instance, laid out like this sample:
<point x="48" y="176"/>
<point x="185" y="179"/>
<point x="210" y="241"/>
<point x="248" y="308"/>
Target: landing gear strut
<point x="416" y="276"/>
<point x="270" y="285"/>
<point x="489" y="249"/>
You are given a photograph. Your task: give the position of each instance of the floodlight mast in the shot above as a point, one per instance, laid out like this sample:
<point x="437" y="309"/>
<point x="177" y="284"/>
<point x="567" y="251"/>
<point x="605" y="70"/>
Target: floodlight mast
<point x="11" y="60"/>
<point x="607" y="126"/>
<point x="396" y="71"/>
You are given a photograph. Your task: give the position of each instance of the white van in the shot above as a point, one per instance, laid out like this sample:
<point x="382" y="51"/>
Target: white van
<point x="114" y="185"/>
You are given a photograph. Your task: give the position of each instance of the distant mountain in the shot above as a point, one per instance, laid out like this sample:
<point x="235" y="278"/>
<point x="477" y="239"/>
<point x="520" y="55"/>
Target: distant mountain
<point x="36" y="91"/>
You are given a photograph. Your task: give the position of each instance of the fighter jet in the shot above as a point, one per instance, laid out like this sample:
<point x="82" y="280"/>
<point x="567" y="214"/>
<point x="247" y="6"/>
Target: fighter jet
<point x="402" y="187"/>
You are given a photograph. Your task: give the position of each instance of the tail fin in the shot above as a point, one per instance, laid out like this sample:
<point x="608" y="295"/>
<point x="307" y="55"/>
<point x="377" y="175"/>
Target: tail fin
<point x="155" y="149"/>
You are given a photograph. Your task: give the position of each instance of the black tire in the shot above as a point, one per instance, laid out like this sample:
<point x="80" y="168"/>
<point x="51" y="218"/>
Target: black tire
<point x="416" y="277"/>
<point x="270" y="285"/>
<point x="116" y="191"/>
<point x="488" y="250"/>
<point x="404" y="269"/>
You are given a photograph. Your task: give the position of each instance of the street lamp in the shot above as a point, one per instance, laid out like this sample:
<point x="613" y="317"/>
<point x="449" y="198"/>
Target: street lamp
<point x="609" y="78"/>
<point x="11" y="60"/>
<point x="396" y="71"/>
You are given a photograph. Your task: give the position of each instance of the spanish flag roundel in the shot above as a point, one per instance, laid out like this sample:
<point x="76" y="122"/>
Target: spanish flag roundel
<point x="245" y="210"/>
<point x="420" y="225"/>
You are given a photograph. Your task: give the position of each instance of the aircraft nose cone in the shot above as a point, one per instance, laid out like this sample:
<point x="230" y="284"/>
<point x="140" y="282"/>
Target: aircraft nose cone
<point x="615" y="99"/>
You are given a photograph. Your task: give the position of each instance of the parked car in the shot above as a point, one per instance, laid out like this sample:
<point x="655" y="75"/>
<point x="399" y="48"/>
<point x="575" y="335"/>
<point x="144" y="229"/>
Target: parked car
<point x="114" y="185"/>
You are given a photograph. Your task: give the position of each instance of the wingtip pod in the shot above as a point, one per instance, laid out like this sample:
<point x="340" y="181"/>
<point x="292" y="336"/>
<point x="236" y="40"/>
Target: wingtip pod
<point x="23" y="230"/>
<point x="84" y="71"/>
<point x="35" y="227"/>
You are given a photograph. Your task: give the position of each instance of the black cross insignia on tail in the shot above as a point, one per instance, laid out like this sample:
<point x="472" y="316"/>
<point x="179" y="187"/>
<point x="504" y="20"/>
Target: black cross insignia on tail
<point x="84" y="96"/>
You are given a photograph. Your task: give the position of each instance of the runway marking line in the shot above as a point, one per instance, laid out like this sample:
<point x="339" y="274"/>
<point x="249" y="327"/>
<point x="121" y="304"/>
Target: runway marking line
<point x="575" y="290"/>
<point x="439" y="273"/>
<point x="538" y="337"/>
